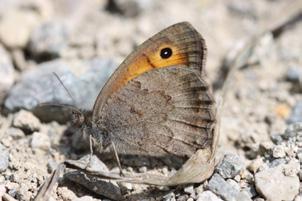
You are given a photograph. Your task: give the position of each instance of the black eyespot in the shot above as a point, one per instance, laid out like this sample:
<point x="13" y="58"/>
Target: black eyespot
<point x="165" y="53"/>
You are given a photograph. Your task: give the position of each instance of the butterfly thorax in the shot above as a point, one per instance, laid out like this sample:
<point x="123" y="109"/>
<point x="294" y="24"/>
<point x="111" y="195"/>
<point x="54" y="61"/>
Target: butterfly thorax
<point x="83" y="120"/>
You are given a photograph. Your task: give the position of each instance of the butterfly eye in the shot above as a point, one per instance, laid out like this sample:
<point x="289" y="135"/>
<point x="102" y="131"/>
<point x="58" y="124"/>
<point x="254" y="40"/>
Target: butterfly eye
<point x="165" y="53"/>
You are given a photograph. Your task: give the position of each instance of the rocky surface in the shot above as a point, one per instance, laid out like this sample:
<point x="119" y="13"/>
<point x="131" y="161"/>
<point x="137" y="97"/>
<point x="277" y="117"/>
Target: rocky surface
<point x="62" y="52"/>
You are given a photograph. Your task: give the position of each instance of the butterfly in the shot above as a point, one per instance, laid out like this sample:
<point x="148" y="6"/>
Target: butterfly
<point x="157" y="103"/>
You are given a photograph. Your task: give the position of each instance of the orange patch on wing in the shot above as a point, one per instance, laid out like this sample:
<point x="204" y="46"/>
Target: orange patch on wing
<point x="147" y="61"/>
<point x="152" y="59"/>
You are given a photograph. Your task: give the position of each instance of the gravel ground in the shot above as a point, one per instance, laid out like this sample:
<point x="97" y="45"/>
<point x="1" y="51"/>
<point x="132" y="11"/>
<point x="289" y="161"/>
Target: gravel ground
<point x="260" y="147"/>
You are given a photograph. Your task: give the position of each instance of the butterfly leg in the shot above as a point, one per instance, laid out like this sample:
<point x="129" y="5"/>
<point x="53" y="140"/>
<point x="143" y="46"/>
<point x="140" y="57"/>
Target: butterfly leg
<point x="90" y="147"/>
<point x="117" y="158"/>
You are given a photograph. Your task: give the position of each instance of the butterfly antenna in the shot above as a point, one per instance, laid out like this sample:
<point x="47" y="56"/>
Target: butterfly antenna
<point x="61" y="82"/>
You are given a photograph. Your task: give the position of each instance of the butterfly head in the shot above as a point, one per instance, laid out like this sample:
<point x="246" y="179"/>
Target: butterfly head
<point x="81" y="118"/>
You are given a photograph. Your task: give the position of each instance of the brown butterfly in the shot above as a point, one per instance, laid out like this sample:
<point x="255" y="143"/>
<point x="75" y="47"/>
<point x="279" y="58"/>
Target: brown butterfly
<point x="157" y="102"/>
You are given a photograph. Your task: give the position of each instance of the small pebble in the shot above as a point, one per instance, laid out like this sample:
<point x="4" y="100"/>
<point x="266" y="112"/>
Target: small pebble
<point x="142" y="169"/>
<point x="230" y="166"/>
<point x="169" y="197"/>
<point x="292" y="168"/>
<point x="265" y="147"/>
<point x="296" y="114"/>
<point x="277" y="139"/>
<point x="182" y="198"/>
<point x="49" y="39"/>
<point x="40" y="141"/>
<point x="294" y="74"/>
<point x="277" y="162"/>
<point x="2" y="190"/>
<point x="251" y="191"/>
<point x="246" y="175"/>
<point x="26" y="121"/>
<point x="199" y="189"/>
<point x="16" y="133"/>
<point x="84" y="198"/>
<point x="292" y="130"/>
<point x="190" y="190"/>
<point x="7" y="73"/>
<point x="278" y="151"/>
<point x="259" y="199"/>
<point x="222" y="188"/>
<point x="291" y="151"/>
<point x="255" y="165"/>
<point x="208" y="196"/>
<point x="4" y="158"/>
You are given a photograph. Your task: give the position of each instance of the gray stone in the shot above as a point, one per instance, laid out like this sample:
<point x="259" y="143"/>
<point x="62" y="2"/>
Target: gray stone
<point x="222" y="188"/>
<point x="40" y="141"/>
<point x="128" y="8"/>
<point x="277" y="162"/>
<point x="230" y="166"/>
<point x="39" y="85"/>
<point x="296" y="114"/>
<point x="7" y="74"/>
<point x="208" y="196"/>
<point x="234" y="184"/>
<point x="275" y="186"/>
<point x="4" y="156"/>
<point x="294" y="74"/>
<point x="293" y="130"/>
<point x="26" y="121"/>
<point x="251" y="191"/>
<point x="277" y="139"/>
<point x="48" y="39"/>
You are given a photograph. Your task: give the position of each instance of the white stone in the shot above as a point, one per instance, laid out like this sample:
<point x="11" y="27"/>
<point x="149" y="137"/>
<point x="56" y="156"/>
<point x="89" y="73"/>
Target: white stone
<point x="40" y="141"/>
<point x="208" y="196"/>
<point x="275" y="186"/>
<point x="16" y="26"/>
<point x="278" y="151"/>
<point x="26" y="121"/>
